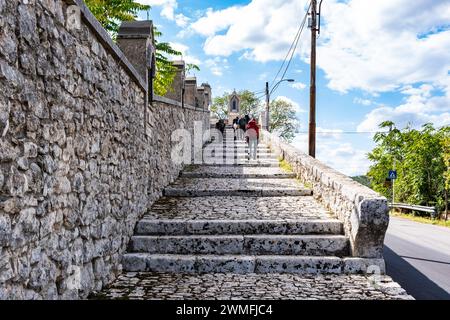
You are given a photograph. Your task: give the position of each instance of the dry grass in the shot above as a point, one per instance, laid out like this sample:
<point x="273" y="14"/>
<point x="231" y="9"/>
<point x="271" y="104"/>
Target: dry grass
<point x="411" y="217"/>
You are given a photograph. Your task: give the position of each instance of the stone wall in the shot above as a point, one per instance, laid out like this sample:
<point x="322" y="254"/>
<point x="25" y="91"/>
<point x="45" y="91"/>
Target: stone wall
<point x="77" y="166"/>
<point x="363" y="211"/>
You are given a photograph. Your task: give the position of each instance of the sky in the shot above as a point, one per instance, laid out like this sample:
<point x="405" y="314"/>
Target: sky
<point x="376" y="61"/>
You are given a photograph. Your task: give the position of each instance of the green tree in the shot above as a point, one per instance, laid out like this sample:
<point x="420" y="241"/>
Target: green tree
<point x="110" y="13"/>
<point x="419" y="157"/>
<point x="283" y="119"/>
<point x="446" y="148"/>
<point x="219" y="107"/>
<point x="250" y="104"/>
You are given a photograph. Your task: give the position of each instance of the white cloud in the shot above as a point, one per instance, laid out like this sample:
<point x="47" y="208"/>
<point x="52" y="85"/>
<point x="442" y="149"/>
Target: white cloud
<point x="375" y="46"/>
<point x="297" y="107"/>
<point x="168" y="11"/>
<point x="263" y="76"/>
<point x="217" y="65"/>
<point x="298" y="85"/>
<point x="361" y="101"/>
<point x="418" y="108"/>
<point x="264" y="29"/>
<point x="383" y="45"/>
<point x="401" y="118"/>
<point x="336" y="153"/>
<point x="184" y="49"/>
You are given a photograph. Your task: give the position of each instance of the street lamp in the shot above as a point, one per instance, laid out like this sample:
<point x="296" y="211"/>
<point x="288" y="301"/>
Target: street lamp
<point x="268" y="98"/>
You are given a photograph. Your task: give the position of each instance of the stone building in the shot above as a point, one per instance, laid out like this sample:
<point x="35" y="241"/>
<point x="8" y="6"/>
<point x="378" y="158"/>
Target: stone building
<point x="208" y="96"/>
<point x="177" y="91"/>
<point x="200" y="97"/>
<point x="190" y="93"/>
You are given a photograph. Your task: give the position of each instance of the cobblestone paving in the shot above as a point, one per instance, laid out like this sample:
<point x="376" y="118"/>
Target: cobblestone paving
<point x="162" y="286"/>
<point x="238" y="208"/>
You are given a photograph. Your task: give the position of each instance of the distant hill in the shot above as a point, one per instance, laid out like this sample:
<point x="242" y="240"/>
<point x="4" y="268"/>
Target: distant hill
<point x="364" y="180"/>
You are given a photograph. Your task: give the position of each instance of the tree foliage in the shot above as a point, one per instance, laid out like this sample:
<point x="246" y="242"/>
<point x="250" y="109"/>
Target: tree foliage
<point x="110" y="13"/>
<point x="283" y="119"/>
<point x="250" y="104"/>
<point x="219" y="107"/>
<point x="446" y="149"/>
<point x="421" y="161"/>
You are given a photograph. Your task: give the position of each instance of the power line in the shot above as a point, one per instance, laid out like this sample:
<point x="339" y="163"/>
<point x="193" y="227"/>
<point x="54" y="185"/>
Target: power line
<point x="293" y="52"/>
<point x="258" y="92"/>
<point x="294" y="42"/>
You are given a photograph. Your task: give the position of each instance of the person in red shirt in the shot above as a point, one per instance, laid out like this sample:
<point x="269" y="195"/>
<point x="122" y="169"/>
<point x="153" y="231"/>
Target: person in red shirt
<point x="252" y="137"/>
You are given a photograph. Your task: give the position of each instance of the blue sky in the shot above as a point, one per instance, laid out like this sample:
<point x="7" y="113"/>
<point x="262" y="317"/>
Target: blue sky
<point x="377" y="60"/>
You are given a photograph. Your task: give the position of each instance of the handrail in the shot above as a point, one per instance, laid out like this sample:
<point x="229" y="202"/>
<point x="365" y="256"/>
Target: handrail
<point x="413" y="207"/>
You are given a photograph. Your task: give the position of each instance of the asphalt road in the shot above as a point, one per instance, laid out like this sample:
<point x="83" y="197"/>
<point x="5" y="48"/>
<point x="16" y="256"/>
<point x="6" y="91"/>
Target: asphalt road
<point x="418" y="258"/>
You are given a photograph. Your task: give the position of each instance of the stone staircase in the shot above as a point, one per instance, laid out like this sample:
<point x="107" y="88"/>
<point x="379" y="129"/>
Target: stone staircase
<point x="246" y="217"/>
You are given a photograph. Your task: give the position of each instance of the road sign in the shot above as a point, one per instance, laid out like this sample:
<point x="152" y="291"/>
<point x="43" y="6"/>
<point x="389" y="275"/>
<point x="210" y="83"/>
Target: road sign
<point x="392" y="174"/>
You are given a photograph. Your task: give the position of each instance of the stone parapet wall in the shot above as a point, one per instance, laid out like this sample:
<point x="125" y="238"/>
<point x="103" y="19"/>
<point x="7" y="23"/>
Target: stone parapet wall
<point x="363" y="211"/>
<point x="82" y="154"/>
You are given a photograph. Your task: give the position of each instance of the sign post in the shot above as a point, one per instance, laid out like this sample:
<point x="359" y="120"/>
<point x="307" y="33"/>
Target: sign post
<point x="393" y="177"/>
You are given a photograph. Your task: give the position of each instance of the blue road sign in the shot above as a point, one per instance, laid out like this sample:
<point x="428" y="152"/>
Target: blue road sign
<point x="392" y="174"/>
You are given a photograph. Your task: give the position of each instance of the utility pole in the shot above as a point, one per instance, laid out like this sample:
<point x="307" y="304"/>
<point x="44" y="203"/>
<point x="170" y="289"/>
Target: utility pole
<point x="267" y="106"/>
<point x="312" y="89"/>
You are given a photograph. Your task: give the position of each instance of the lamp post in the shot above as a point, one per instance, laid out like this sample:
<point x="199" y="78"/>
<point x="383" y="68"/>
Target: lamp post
<point x="267" y="124"/>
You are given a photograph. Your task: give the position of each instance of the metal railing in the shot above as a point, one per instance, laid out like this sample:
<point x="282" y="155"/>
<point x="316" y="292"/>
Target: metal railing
<point x="406" y="206"/>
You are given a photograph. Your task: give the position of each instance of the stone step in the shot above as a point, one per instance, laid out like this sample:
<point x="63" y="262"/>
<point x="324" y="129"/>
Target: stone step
<point x="240" y="156"/>
<point x="241" y="153"/>
<point x="223" y="148"/>
<point x="246" y="163"/>
<point x="235" y="145"/>
<point x="236" y="227"/>
<point x="235" y="172"/>
<point x="238" y="208"/>
<point x="232" y="161"/>
<point x="194" y="187"/>
<point x="242" y="264"/>
<point x="238" y="150"/>
<point x="262" y="244"/>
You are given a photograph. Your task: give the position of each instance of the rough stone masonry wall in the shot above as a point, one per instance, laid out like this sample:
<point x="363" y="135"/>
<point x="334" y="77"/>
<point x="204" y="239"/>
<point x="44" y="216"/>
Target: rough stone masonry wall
<point x="76" y="167"/>
<point x="363" y="211"/>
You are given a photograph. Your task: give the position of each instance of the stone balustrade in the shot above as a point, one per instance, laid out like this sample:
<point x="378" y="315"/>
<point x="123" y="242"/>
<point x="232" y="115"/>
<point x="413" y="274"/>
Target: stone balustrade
<point x="363" y="211"/>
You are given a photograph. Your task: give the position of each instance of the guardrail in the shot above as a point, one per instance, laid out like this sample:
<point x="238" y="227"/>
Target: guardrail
<point x="431" y="210"/>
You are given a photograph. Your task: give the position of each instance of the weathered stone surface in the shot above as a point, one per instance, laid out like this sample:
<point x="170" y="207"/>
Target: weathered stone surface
<point x="240" y="226"/>
<point x="363" y="211"/>
<point x="184" y="187"/>
<point x="4" y="118"/>
<point x="82" y="155"/>
<point x="312" y="245"/>
<point x="238" y="208"/>
<point x="143" y="285"/>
